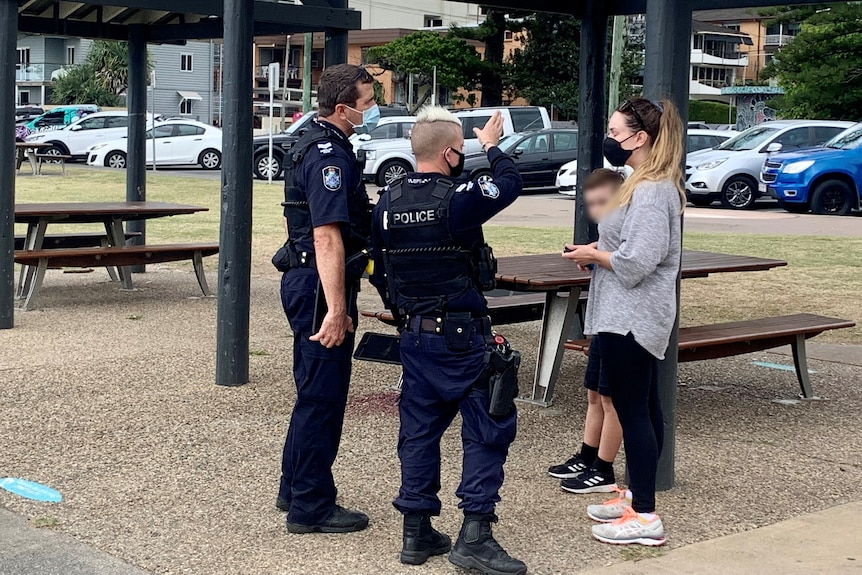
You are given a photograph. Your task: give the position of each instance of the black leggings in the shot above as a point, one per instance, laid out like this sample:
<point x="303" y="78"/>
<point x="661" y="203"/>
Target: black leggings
<point x="631" y="372"/>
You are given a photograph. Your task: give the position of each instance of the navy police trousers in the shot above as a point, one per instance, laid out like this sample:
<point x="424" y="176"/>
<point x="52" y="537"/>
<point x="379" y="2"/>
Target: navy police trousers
<point x="438" y="383"/>
<point x="322" y="380"/>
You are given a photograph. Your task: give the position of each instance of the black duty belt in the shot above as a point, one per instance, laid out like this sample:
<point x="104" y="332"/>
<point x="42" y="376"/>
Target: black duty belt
<point x="432" y="324"/>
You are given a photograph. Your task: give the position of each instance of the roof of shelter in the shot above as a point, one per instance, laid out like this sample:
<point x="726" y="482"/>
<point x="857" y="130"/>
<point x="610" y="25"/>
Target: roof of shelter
<point x="174" y="20"/>
<point x="706" y="29"/>
<point x="576" y="7"/>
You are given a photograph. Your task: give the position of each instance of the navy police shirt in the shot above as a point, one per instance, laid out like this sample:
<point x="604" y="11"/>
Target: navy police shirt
<point x="327" y="174"/>
<point x="474" y="203"/>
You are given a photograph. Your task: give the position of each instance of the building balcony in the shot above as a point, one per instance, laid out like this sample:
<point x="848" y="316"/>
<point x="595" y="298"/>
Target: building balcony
<point x="738" y="59"/>
<point x="778" y="39"/>
<point x="36" y="73"/>
<point x="262" y="73"/>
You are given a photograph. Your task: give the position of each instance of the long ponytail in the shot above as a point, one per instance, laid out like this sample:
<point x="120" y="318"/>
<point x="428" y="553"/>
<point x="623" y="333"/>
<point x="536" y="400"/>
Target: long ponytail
<point x="664" y="161"/>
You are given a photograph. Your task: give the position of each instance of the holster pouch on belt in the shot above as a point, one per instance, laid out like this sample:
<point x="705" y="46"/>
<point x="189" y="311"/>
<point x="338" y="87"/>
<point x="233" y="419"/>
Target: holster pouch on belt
<point x="458" y="330"/>
<point x="281" y="259"/>
<point x="503" y="364"/>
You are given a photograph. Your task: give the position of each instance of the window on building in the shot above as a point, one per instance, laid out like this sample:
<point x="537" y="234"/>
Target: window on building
<point x="316" y="59"/>
<point x="508" y="35"/>
<point x="186" y="63"/>
<point x="23" y="56"/>
<point x="433" y="21"/>
<point x="364" y="55"/>
<point x="24" y="98"/>
<point x="70" y="55"/>
<point x="186" y="107"/>
<point x="735" y="27"/>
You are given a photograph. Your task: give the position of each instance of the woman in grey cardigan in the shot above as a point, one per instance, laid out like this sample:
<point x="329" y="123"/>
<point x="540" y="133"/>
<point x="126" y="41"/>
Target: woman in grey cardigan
<point x="632" y="305"/>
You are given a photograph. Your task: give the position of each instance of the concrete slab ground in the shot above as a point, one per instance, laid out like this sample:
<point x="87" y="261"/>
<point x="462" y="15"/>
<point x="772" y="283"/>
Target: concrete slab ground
<point x="824" y="542"/>
<point x="831" y="352"/>
<point x="28" y="550"/>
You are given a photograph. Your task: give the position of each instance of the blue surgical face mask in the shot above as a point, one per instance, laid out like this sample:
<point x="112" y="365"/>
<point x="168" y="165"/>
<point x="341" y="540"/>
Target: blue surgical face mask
<point x="370" y="119"/>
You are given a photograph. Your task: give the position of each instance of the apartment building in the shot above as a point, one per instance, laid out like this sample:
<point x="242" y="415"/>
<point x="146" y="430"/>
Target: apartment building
<point x="183" y="74"/>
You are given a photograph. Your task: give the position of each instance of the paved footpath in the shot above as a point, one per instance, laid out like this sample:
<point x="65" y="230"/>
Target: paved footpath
<point x="826" y="542"/>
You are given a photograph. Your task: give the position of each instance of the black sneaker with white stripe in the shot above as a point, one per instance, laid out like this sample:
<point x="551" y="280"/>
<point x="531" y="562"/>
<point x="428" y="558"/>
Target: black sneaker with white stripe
<point x="590" y="481"/>
<point x="570" y="469"/>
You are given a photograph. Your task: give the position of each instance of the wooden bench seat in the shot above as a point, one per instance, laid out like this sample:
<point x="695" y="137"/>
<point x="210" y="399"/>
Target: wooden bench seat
<point x="73" y="240"/>
<point x="505" y="309"/>
<point x="112" y="256"/>
<point x="42" y="159"/>
<point x="739" y="337"/>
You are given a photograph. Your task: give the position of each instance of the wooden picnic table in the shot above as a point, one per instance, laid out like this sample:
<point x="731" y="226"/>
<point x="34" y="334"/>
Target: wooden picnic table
<point x="562" y="282"/>
<point x="29" y="149"/>
<point x="37" y="216"/>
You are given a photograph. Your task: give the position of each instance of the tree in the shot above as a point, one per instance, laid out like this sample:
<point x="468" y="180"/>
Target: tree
<point x="101" y="79"/>
<point x="458" y="63"/>
<point x="545" y="70"/>
<point x="821" y="70"/>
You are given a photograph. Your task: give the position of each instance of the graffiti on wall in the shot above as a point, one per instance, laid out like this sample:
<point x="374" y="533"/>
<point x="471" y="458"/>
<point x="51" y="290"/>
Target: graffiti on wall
<point x="751" y="109"/>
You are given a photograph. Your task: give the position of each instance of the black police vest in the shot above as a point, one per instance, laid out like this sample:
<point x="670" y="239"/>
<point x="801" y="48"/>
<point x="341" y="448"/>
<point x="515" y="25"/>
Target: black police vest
<point x="357" y="235"/>
<point x="425" y="266"/>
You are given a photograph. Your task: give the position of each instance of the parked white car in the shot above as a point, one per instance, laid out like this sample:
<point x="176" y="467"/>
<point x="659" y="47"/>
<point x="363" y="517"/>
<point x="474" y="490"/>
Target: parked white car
<point x="76" y="138"/>
<point x="389" y="160"/>
<point x="731" y="172"/>
<point x="177" y="143"/>
<point x="697" y="139"/>
<point x="389" y="128"/>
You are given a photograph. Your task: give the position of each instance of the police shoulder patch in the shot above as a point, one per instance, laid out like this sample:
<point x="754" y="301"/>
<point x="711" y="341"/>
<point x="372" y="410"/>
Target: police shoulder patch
<point x="325" y="148"/>
<point x="488" y="187"/>
<point x="332" y="178"/>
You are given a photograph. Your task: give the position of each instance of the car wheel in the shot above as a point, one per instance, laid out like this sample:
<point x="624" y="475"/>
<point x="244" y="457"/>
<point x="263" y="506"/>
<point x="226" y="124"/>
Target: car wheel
<point x="210" y="159"/>
<point x="739" y="193"/>
<point x="392" y="171"/>
<point x="263" y="167"/>
<point x="116" y="160"/>
<point x="481" y="174"/>
<point x="700" y="202"/>
<point x="793" y="208"/>
<point x="54" y="150"/>
<point x="833" y="198"/>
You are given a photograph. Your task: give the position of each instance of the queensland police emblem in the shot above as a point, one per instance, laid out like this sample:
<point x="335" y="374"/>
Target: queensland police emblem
<point x="332" y="178"/>
<point x="488" y="187"/>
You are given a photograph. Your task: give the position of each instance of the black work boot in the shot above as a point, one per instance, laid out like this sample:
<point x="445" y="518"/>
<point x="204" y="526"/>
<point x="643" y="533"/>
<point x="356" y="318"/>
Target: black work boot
<point x="341" y="520"/>
<point x="421" y="541"/>
<point x="477" y="549"/>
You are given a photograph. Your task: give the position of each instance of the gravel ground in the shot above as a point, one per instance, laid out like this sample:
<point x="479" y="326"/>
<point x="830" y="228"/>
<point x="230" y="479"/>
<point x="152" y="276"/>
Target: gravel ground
<point x="109" y="397"/>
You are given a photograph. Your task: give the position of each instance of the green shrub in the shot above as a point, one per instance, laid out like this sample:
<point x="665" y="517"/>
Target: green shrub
<point x="711" y="112"/>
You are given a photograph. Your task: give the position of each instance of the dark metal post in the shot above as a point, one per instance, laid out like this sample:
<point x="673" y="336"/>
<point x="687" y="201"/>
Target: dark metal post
<point x="235" y="238"/>
<point x="336" y="39"/>
<point x="8" y="59"/>
<point x="591" y="108"/>
<point x="666" y="75"/>
<point x="136" y="160"/>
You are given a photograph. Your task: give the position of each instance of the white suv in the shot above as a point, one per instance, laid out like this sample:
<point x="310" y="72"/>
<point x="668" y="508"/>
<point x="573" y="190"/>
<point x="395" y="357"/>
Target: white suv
<point x="389" y="160"/>
<point x="77" y="137"/>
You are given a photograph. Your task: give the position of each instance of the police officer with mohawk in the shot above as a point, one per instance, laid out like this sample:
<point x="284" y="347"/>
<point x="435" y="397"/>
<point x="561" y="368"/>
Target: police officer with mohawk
<point x="432" y="265"/>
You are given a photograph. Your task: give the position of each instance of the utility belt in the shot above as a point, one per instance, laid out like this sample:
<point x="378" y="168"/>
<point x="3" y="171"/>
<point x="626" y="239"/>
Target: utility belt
<point x="288" y="257"/>
<point x="500" y="378"/>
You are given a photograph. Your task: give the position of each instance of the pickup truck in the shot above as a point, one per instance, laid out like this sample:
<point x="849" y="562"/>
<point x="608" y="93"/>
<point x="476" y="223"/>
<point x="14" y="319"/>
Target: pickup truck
<point x="824" y="180"/>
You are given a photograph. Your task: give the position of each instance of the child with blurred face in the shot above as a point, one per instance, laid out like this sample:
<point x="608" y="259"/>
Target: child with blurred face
<point x="599" y="191"/>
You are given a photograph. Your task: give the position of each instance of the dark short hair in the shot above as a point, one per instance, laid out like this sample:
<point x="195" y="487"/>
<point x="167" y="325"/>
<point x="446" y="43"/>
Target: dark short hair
<point x="339" y="85"/>
<point x="603" y="177"/>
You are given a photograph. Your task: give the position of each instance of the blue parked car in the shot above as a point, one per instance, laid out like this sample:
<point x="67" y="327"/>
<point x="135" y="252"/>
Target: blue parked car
<point x="824" y="180"/>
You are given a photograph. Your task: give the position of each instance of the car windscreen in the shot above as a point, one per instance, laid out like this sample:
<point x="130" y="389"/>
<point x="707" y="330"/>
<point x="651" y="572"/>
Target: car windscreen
<point x="507" y="143"/>
<point x="294" y="127"/>
<point x="847" y="140"/>
<point x="749" y="139"/>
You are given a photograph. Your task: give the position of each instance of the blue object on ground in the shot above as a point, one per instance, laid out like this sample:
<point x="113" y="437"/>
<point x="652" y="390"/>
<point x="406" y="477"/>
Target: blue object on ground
<point x="30" y="490"/>
<point x="780" y="366"/>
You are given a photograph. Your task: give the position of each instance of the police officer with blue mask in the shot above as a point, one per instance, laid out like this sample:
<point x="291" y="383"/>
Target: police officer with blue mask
<point x="427" y="234"/>
<point x="328" y="219"/>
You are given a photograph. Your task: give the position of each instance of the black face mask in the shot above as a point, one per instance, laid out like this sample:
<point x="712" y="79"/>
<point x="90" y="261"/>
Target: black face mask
<point x="458" y="169"/>
<point x="614" y="152"/>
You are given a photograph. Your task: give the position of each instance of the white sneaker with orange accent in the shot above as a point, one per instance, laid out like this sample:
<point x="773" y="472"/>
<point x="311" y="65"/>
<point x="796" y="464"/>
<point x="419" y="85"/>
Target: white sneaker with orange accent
<point x="611" y="509"/>
<point x="631" y="528"/>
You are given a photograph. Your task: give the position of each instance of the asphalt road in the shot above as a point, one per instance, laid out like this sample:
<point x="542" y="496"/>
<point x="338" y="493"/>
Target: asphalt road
<point x="537" y="208"/>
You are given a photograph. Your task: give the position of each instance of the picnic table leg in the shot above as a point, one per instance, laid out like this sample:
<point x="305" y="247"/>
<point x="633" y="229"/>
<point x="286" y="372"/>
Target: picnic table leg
<point x="117" y="237"/>
<point x="556" y="324"/>
<point x="198" y="261"/>
<point x="35" y="284"/>
<point x="800" y="361"/>
<point x="33" y="241"/>
<point x="34" y="161"/>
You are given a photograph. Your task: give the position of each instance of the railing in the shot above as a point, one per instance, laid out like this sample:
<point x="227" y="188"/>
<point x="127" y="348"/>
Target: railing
<point x="37" y="72"/>
<point x="262" y="72"/>
<point x="778" y="39"/>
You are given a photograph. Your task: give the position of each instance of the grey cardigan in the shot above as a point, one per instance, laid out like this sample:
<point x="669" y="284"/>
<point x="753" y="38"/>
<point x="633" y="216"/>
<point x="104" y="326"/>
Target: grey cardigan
<point x="639" y="295"/>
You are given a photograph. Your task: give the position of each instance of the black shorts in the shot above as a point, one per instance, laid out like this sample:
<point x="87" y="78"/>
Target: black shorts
<point x="593" y="379"/>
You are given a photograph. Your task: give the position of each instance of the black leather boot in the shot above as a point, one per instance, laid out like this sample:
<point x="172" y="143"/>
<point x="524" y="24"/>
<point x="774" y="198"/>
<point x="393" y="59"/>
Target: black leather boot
<point x="477" y="549"/>
<point x="421" y="541"/>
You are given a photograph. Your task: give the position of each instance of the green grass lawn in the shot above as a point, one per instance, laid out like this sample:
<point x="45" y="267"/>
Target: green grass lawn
<point x="824" y="274"/>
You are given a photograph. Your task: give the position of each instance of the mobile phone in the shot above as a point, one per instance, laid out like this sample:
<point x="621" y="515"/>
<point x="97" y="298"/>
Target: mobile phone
<point x="566" y="250"/>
